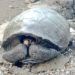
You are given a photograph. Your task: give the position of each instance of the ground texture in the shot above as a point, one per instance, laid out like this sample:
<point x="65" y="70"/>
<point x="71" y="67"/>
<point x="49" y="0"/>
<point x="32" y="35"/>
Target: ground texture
<point x="63" y="64"/>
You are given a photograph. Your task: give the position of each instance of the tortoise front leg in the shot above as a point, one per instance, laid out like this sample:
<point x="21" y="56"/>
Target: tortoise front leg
<point x="17" y="53"/>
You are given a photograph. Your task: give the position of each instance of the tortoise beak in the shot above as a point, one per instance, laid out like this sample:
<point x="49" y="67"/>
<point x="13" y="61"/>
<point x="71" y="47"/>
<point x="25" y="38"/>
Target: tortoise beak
<point x="16" y="54"/>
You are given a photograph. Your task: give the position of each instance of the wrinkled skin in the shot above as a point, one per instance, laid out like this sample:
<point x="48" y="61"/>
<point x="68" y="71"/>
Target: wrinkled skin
<point x="36" y="54"/>
<point x="17" y="53"/>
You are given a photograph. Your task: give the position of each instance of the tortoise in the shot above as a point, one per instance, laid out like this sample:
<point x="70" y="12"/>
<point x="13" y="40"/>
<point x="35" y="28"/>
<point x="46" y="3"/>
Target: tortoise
<point x="35" y="36"/>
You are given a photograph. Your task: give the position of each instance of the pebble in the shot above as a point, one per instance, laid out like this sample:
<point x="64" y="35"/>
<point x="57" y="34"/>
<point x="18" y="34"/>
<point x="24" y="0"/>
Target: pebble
<point x="1" y="73"/>
<point x="12" y="7"/>
<point x="67" y="72"/>
<point x="31" y="1"/>
<point x="3" y="68"/>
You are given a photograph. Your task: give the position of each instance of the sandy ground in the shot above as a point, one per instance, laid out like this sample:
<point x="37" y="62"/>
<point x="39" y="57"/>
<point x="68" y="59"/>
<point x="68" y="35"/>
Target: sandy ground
<point x="10" y="8"/>
<point x="62" y="65"/>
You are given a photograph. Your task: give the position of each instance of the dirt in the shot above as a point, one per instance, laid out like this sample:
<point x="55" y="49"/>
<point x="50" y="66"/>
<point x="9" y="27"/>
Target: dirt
<point x="10" y="8"/>
<point x="62" y="65"/>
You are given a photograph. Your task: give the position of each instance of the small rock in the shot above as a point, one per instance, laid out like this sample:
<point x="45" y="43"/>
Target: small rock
<point x="33" y="1"/>
<point x="3" y="68"/>
<point x="12" y="7"/>
<point x="1" y="73"/>
<point x="12" y="1"/>
<point x="67" y="72"/>
<point x="30" y="1"/>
